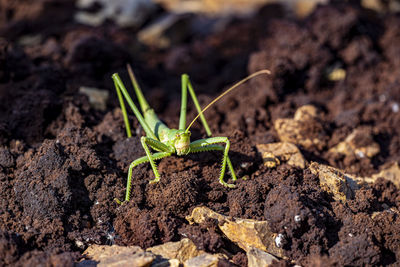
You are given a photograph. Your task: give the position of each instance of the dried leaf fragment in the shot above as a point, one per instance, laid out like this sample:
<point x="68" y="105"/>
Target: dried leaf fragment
<point x="282" y="151"/>
<point x="244" y="232"/>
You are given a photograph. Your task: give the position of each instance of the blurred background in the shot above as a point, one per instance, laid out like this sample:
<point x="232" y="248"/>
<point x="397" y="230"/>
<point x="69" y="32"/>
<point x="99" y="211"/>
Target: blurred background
<point x="83" y="42"/>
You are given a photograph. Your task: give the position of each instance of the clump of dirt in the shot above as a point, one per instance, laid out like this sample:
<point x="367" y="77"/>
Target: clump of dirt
<point x="62" y="162"/>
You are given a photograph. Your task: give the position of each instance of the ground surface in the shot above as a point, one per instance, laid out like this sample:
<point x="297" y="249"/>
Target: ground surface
<point x="62" y="162"/>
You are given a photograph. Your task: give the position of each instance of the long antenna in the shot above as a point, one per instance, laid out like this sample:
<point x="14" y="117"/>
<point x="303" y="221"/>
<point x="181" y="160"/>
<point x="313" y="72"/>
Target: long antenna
<point x="227" y="91"/>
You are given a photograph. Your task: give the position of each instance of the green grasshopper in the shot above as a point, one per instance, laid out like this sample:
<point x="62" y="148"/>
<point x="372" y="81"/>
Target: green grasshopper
<point x="168" y="141"/>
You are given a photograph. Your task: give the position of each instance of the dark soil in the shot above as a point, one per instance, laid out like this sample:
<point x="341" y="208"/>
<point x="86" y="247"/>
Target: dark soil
<point x="62" y="162"/>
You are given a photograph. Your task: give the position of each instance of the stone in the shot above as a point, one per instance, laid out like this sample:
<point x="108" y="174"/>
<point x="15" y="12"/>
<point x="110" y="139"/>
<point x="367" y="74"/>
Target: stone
<point x="303" y="8"/>
<point x="341" y="185"/>
<point x="274" y="153"/>
<point x="304" y="129"/>
<point x="102" y="255"/>
<point x="223" y="8"/>
<point x="359" y="143"/>
<point x="213" y="7"/>
<point x="97" y="97"/>
<point x="305" y="113"/>
<point x="259" y="258"/>
<point x="165" y="31"/>
<point x="391" y="173"/>
<point x="245" y="233"/>
<point x="337" y="74"/>
<point x="182" y="250"/>
<point x="204" y="260"/>
<point x="124" y="13"/>
<point x="166" y="263"/>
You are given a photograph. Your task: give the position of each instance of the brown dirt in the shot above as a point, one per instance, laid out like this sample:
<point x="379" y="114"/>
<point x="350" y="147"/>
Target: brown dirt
<point x="62" y="163"/>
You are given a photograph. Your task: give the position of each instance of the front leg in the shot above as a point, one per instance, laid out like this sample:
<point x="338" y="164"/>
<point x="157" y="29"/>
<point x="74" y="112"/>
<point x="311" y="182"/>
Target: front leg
<point x="158" y="146"/>
<point x="208" y="144"/>
<point x="155" y="156"/>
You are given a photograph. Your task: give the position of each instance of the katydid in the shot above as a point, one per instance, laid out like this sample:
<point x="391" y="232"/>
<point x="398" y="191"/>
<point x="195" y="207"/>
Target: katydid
<point x="166" y="141"/>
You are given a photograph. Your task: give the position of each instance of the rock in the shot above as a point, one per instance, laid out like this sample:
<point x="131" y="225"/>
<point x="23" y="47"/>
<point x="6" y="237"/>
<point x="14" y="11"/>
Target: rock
<point x="244" y="232"/>
<point x="359" y="142"/>
<point x="123" y="12"/>
<point x="388" y="6"/>
<point x="101" y="255"/>
<point x="204" y="260"/>
<point x="165" y="31"/>
<point x="274" y="153"/>
<point x="182" y="250"/>
<point x="97" y="97"/>
<point x="304" y="129"/>
<point x="305" y="113"/>
<point x="300" y="8"/>
<point x="391" y="173"/>
<point x="303" y="8"/>
<point x="213" y="7"/>
<point x="167" y="263"/>
<point x="336" y="74"/>
<point x="259" y="258"/>
<point x="335" y="181"/>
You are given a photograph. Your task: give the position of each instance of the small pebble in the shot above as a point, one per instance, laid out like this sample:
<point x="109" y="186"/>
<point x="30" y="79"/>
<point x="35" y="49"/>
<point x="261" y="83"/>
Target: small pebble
<point x="279" y="240"/>
<point x="297" y="218"/>
<point x="244" y="165"/>
<point x="382" y="98"/>
<point x="395" y="107"/>
<point x="360" y="154"/>
<point x="79" y="244"/>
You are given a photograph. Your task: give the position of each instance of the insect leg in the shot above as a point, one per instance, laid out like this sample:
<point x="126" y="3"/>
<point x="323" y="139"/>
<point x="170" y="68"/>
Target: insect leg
<point x="146" y="141"/>
<point x="118" y="83"/>
<point x="186" y="84"/>
<point x="142" y="101"/>
<point x="208" y="144"/>
<point x="155" y="156"/>
<point x="123" y="108"/>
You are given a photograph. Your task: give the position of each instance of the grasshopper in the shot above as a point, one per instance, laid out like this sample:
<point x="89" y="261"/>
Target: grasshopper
<point x="168" y="141"/>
